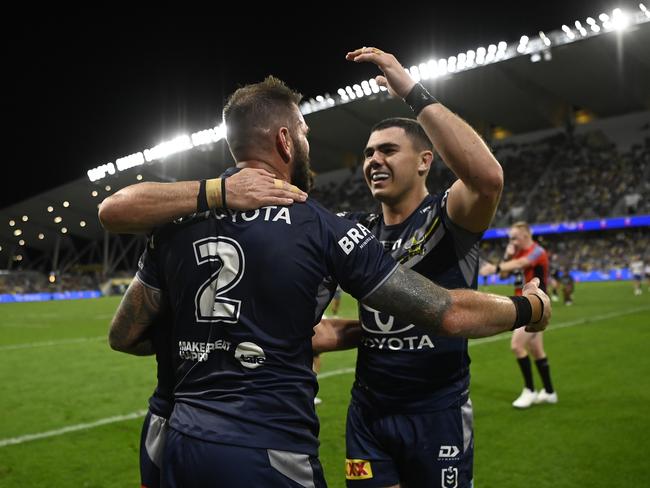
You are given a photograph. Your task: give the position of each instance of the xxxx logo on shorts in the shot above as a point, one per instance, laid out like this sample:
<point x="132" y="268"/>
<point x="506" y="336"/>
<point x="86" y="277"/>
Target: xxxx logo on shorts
<point x="357" y="469"/>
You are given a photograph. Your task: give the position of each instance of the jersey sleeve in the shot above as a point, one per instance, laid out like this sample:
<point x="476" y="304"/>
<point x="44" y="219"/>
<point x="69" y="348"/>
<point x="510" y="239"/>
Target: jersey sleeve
<point x="148" y="271"/>
<point x="355" y="258"/>
<point x="464" y="239"/>
<point x="535" y="255"/>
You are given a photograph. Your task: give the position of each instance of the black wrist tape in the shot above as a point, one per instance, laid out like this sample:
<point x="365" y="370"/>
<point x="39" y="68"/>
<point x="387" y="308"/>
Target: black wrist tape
<point x="418" y="98"/>
<point x="223" y="193"/>
<point x="524" y="311"/>
<point x="202" y="199"/>
<point x="498" y="268"/>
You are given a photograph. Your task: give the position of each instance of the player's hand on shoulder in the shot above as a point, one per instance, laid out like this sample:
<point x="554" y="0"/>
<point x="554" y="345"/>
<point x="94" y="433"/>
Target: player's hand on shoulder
<point x="252" y="188"/>
<point x="541" y="314"/>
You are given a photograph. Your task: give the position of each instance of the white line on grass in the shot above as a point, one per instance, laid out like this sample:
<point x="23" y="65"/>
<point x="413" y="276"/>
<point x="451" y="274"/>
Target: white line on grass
<point x="29" y="345"/>
<point x="328" y="374"/>
<point x="71" y="428"/>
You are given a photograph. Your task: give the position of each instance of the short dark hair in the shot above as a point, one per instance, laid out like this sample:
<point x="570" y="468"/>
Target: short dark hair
<point x="253" y="110"/>
<point x="411" y="127"/>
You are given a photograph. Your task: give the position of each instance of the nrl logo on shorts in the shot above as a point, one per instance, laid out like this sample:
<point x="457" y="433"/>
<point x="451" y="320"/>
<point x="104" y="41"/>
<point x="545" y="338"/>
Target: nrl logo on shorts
<point x="449" y="477"/>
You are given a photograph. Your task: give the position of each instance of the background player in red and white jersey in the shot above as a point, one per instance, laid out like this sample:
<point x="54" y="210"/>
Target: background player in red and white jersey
<point x="526" y="259"/>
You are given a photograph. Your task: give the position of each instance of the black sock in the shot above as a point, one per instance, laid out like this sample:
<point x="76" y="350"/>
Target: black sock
<point x="545" y="373"/>
<point x="524" y="365"/>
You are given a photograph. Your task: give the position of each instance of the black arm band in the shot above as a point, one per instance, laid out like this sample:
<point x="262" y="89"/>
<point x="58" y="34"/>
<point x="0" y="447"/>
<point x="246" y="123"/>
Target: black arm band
<point x="418" y="98"/>
<point x="223" y="193"/>
<point x="202" y="199"/>
<point x="524" y="311"/>
<point x="541" y="302"/>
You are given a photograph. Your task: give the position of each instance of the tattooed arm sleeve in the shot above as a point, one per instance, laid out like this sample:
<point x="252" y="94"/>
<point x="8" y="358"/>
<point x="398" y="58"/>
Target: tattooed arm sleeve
<point x="138" y="311"/>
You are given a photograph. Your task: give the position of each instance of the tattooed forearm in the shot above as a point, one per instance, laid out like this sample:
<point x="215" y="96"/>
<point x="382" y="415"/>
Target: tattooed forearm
<point x="411" y="297"/>
<point x="459" y="313"/>
<point x="137" y="311"/>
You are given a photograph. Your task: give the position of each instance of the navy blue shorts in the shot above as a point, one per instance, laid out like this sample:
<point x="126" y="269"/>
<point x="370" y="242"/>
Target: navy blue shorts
<point x="428" y="450"/>
<point x="152" y="443"/>
<point x="189" y="462"/>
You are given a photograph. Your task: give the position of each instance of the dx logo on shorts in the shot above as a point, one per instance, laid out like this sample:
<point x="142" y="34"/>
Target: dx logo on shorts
<point x="449" y="477"/>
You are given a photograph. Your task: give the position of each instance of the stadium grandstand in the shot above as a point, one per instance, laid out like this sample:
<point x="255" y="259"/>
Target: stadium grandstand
<point x="571" y="150"/>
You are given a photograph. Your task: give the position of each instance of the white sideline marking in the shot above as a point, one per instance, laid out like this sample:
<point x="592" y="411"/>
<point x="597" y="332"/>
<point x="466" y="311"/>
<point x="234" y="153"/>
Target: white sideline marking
<point x="71" y="428"/>
<point x="29" y="345"/>
<point x="328" y="374"/>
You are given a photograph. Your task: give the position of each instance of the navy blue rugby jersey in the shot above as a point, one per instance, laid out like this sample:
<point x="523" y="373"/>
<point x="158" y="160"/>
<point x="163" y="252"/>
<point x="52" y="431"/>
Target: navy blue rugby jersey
<point x="161" y="401"/>
<point x="400" y="367"/>
<point x="244" y="295"/>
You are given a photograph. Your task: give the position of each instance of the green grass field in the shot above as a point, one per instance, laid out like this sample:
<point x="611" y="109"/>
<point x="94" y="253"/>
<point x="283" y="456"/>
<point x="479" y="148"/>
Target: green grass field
<point x="71" y="408"/>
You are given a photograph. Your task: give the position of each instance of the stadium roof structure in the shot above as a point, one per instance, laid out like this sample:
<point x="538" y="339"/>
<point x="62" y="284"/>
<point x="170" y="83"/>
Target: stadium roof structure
<point x="604" y="75"/>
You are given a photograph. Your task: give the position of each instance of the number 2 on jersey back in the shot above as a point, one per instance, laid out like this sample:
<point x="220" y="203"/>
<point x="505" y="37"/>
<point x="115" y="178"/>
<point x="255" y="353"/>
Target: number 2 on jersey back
<point x="226" y="258"/>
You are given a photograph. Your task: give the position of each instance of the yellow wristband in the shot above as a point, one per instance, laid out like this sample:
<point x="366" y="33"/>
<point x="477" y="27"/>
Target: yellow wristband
<point x="213" y="192"/>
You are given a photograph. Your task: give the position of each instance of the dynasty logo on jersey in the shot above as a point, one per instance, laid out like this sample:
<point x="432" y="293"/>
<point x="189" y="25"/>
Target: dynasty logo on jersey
<point x="357" y="469"/>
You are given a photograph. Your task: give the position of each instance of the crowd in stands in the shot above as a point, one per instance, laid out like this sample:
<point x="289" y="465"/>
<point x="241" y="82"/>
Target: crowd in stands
<point x="585" y="251"/>
<point x="22" y="282"/>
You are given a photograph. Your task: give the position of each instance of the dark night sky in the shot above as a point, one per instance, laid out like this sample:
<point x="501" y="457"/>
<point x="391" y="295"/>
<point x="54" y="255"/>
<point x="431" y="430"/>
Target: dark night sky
<point x="79" y="92"/>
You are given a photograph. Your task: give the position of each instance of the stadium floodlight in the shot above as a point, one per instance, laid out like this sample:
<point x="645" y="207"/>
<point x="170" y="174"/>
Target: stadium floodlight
<point x="603" y="17"/>
<point x="569" y="33"/>
<point x="18" y="232"/>
<point x="365" y="86"/>
<point x="41" y="237"/>
<point x="523" y="44"/>
<point x="451" y="64"/>
<point x="442" y="66"/>
<point x="620" y="20"/>
<point x="82" y="223"/>
<point x="644" y="10"/>
<point x="544" y="38"/>
<point x="0" y="248"/>
<point x="57" y="219"/>
<point x="138" y="177"/>
<point x="135" y="159"/>
<point x="66" y="204"/>
<point x="480" y="55"/>
<point x="93" y="193"/>
<point x="535" y="57"/>
<point x="167" y="148"/>
<point x="502" y="46"/>
<point x="590" y="21"/>
<point x="50" y="209"/>
<point x="582" y="30"/>
<point x="21" y="242"/>
<point x="64" y="230"/>
<point x="373" y="85"/>
<point x="12" y="223"/>
<point x="25" y="218"/>
<point x="350" y="92"/>
<point x="107" y="188"/>
<point x="424" y="71"/>
<point x="462" y="58"/>
<point x="595" y="27"/>
<point x="357" y="90"/>
<point x="18" y="257"/>
<point x="52" y="278"/>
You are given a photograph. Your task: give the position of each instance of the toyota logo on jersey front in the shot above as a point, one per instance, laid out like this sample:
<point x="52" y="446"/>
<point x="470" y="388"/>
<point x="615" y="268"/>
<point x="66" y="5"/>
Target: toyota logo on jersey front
<point x="376" y="322"/>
